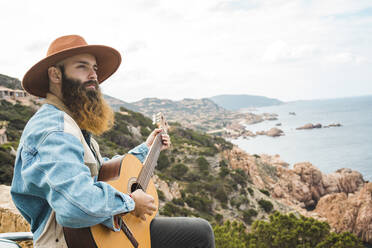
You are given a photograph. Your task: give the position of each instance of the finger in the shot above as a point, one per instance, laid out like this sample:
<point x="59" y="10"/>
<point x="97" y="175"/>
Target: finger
<point x="143" y="217"/>
<point x="152" y="208"/>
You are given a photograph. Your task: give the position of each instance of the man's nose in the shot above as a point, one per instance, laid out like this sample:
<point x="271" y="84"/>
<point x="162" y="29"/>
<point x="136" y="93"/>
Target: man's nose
<point x="93" y="74"/>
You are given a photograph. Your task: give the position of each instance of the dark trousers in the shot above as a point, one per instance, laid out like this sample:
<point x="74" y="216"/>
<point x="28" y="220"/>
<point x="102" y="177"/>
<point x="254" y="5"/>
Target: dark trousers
<point x="181" y="232"/>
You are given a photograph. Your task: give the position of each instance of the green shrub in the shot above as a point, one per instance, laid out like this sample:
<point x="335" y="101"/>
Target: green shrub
<point x="230" y="235"/>
<point x="218" y="218"/>
<point x="200" y="203"/>
<point x="161" y="195"/>
<point x="6" y="167"/>
<point x="264" y="191"/>
<point x="171" y="209"/>
<point x="251" y="192"/>
<point x="221" y="194"/>
<point x="163" y="161"/>
<point x="178" y="171"/>
<point x="248" y="214"/>
<point x="178" y="201"/>
<point x="342" y="240"/>
<point x="192" y="176"/>
<point x="266" y="205"/>
<point x="239" y="177"/>
<point x="224" y="171"/>
<point x="203" y="165"/>
<point x="282" y="231"/>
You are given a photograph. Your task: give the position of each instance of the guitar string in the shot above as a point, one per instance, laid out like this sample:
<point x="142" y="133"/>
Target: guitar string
<point x="145" y="174"/>
<point x="154" y="156"/>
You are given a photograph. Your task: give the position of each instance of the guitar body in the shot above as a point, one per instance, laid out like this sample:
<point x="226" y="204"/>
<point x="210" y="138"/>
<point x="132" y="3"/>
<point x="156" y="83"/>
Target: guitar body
<point x="121" y="178"/>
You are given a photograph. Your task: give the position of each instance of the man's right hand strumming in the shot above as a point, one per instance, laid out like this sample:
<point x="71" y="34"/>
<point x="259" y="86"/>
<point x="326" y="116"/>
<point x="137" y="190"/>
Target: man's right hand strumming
<point x="145" y="204"/>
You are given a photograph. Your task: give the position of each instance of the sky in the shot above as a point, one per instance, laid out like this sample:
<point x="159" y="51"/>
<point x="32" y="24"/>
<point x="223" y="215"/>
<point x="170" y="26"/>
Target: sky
<point x="284" y="49"/>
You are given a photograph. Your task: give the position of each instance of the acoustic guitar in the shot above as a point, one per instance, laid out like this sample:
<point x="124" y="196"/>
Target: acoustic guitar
<point x="126" y="174"/>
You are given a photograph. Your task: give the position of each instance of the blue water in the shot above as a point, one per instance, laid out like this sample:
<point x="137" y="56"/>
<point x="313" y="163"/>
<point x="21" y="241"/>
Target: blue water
<point x="329" y="149"/>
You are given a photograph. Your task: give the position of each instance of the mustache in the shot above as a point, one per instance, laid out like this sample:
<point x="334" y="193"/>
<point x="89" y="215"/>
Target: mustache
<point x="91" y="82"/>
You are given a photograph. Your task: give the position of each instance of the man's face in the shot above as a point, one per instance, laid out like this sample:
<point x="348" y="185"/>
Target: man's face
<point x="82" y="68"/>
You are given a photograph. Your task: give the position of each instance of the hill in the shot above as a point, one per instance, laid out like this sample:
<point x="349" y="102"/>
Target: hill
<point x="117" y="103"/>
<point x="236" y="102"/>
<point x="9" y="82"/>
<point x="199" y="114"/>
<point x="193" y="178"/>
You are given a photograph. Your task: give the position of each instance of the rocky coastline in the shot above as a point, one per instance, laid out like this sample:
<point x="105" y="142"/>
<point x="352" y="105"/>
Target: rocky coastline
<point x="341" y="198"/>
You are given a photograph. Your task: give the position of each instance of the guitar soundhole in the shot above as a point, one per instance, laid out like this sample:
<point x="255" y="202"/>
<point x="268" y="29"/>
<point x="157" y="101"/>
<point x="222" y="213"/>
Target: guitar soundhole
<point x="135" y="186"/>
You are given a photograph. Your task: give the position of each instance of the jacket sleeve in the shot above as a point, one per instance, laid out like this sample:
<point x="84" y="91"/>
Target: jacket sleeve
<point x="58" y="174"/>
<point x="139" y="151"/>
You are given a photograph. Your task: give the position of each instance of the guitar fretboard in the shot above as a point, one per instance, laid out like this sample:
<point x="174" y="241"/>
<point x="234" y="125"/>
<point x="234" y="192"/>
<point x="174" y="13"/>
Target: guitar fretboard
<point x="150" y="163"/>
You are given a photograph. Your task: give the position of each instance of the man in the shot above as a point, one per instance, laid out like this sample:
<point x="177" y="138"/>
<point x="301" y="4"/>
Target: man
<point x="55" y="174"/>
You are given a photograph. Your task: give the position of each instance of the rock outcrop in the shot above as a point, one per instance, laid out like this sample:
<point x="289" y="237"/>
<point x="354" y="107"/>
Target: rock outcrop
<point x="349" y="212"/>
<point x="273" y="132"/>
<point x="306" y="188"/>
<point x="170" y="191"/>
<point x="310" y="126"/>
<point x="10" y="219"/>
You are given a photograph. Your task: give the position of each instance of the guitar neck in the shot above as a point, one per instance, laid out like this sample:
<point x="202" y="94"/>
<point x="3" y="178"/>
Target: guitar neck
<point x="150" y="163"/>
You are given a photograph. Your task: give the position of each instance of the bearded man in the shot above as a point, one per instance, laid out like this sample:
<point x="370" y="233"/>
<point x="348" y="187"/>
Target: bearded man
<point x="55" y="174"/>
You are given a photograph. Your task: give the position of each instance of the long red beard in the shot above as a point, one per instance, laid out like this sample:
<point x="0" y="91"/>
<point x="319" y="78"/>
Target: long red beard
<point x="88" y="107"/>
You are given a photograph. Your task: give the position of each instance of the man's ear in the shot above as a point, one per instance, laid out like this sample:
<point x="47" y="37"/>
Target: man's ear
<point x="55" y="75"/>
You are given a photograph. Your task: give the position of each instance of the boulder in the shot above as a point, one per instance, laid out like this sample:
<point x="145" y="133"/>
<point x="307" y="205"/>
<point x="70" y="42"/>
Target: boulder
<point x="349" y="212"/>
<point x="309" y="126"/>
<point x="274" y="132"/>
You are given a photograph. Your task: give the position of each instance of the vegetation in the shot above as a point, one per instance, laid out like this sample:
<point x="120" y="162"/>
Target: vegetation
<point x="264" y="191"/>
<point x="266" y="205"/>
<point x="282" y="231"/>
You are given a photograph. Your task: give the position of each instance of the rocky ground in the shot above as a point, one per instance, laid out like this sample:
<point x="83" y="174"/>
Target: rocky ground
<point x="10" y="218"/>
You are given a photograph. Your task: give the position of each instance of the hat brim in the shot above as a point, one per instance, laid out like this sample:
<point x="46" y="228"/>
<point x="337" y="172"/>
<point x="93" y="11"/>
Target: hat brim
<point x="36" y="80"/>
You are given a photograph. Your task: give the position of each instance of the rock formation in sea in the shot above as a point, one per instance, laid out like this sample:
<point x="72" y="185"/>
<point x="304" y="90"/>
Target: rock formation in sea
<point x="310" y="126"/>
<point x="273" y="132"/>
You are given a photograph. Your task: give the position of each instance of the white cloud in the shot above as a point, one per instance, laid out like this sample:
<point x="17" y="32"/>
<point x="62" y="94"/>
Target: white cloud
<point x="345" y="58"/>
<point x="194" y="48"/>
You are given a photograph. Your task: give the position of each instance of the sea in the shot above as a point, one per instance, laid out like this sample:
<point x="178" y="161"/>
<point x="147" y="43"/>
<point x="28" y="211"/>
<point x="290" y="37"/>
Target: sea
<point x="329" y="149"/>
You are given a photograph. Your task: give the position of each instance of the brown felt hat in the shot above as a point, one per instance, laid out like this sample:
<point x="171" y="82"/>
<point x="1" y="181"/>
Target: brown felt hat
<point x="36" y="80"/>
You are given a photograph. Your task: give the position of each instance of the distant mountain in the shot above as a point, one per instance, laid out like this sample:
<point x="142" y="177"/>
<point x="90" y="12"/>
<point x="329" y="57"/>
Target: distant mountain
<point x="202" y="114"/>
<point x="150" y="106"/>
<point x="9" y="82"/>
<point x="117" y="103"/>
<point x="235" y="102"/>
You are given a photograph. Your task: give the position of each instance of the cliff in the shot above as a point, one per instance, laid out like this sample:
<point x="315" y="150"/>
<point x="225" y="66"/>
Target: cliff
<point x="341" y="198"/>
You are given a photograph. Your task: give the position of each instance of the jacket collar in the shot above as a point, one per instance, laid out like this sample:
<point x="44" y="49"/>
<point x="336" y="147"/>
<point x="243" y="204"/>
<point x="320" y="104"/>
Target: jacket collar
<point x="55" y="101"/>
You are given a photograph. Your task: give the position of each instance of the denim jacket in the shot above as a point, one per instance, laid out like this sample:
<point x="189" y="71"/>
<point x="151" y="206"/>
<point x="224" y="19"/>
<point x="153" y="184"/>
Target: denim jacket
<point x="55" y="177"/>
